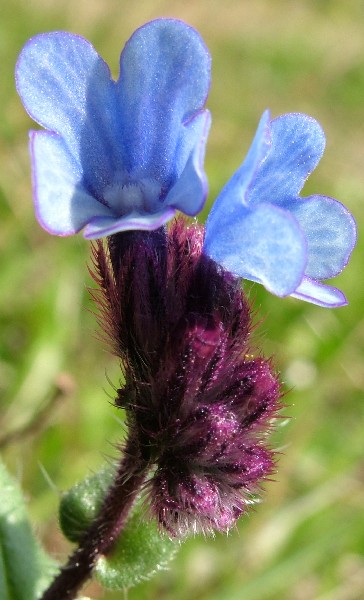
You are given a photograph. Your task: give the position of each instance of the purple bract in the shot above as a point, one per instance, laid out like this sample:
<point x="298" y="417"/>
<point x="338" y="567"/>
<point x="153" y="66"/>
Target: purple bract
<point x="197" y="400"/>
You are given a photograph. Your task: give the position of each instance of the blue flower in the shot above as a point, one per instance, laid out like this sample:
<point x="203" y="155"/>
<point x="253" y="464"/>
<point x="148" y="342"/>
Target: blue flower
<point x="117" y="155"/>
<point x="128" y="154"/>
<point x="262" y="230"/>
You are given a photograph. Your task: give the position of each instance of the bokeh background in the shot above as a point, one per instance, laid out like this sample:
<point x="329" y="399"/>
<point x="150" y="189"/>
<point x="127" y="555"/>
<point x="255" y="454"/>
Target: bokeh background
<point x="305" y="541"/>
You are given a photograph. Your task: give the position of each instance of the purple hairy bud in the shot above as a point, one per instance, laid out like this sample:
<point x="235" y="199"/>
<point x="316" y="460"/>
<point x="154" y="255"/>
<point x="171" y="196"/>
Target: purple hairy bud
<point x="198" y="402"/>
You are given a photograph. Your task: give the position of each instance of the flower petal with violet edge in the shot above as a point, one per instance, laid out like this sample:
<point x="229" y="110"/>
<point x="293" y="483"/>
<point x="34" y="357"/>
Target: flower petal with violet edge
<point x="66" y="87"/>
<point x="264" y="244"/>
<point x="190" y="190"/>
<point x="234" y="194"/>
<point x="164" y="82"/>
<point x="104" y="226"/>
<point x="319" y="293"/>
<point x="62" y="205"/>
<point x="297" y="145"/>
<point x="330" y="232"/>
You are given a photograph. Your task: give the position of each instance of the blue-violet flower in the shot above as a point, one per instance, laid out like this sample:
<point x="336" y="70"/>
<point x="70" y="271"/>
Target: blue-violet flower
<point x="117" y="155"/>
<point x="261" y="229"/>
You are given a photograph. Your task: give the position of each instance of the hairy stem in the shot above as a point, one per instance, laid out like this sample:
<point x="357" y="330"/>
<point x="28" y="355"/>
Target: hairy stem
<point x="105" y="529"/>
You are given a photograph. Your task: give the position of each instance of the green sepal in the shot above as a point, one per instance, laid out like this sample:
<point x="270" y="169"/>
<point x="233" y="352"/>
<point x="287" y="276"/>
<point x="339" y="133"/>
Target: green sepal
<point x="25" y="568"/>
<point x="140" y="552"/>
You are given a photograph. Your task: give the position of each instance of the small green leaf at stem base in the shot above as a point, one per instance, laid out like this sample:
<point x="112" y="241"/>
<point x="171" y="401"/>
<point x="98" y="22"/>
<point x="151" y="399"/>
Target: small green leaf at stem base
<point x="140" y="551"/>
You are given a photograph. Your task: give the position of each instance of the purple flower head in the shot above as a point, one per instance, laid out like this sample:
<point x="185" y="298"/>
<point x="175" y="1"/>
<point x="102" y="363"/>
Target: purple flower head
<point x="261" y="229"/>
<point x="198" y="402"/>
<point x="117" y="155"/>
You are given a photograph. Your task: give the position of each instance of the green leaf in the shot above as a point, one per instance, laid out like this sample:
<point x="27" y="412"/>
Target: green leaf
<point x="140" y="552"/>
<point x="25" y="569"/>
<point x="80" y="505"/>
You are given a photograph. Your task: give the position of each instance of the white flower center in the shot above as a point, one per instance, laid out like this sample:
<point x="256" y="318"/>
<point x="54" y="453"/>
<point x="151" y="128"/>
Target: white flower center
<point x="126" y="196"/>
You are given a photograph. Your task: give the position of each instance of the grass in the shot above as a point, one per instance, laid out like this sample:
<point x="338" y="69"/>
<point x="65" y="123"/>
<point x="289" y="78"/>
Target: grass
<point x="305" y="541"/>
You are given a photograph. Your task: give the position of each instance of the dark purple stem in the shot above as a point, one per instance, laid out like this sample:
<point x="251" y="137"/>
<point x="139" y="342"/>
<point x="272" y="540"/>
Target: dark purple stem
<point x="105" y="529"/>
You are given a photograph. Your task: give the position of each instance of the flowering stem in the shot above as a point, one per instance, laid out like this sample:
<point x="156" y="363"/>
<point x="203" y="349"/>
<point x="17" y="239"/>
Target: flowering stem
<point x="105" y="529"/>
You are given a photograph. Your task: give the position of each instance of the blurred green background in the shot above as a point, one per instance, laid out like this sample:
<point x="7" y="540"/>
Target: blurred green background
<point x="305" y="541"/>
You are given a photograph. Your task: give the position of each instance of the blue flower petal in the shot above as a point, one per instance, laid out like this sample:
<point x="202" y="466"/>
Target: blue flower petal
<point x="330" y="232"/>
<point x="189" y="192"/>
<point x="104" y="226"/>
<point x="297" y="145"/>
<point x="264" y="245"/>
<point x="62" y="205"/>
<point x="319" y="293"/>
<point x="52" y="76"/>
<point x="233" y="195"/>
<point x="164" y="81"/>
<point x="66" y="87"/>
